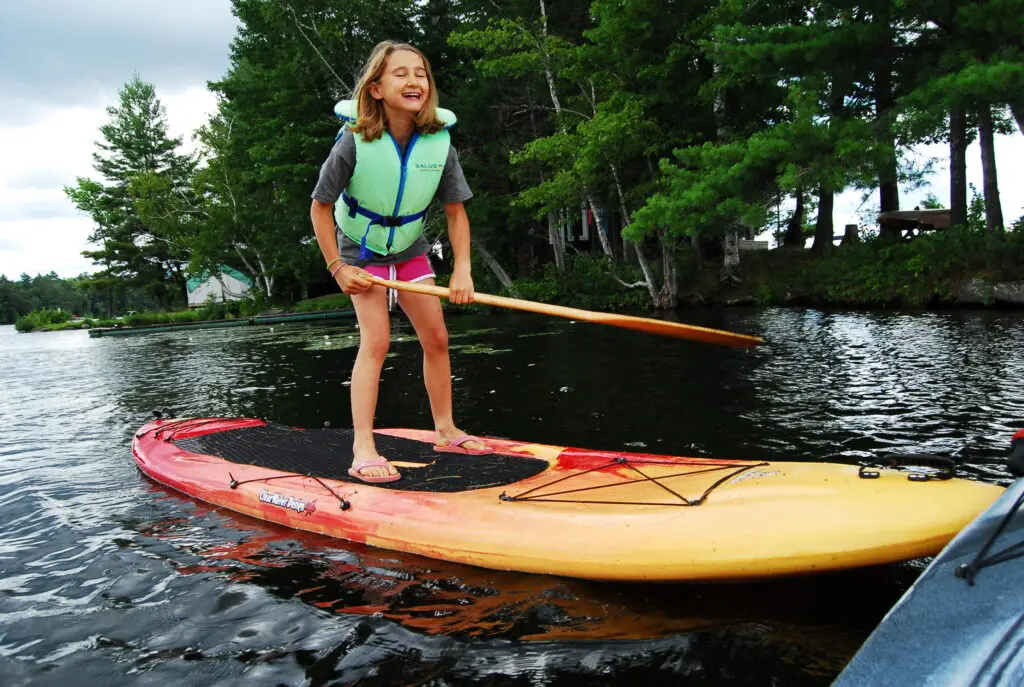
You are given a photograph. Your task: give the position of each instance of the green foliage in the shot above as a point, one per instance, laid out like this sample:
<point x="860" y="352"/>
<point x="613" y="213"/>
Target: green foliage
<point x="139" y="319"/>
<point x="334" y="301"/>
<point x="41" y="319"/>
<point x="686" y="119"/>
<point x="587" y="282"/>
<point x="212" y="310"/>
<point x="925" y="271"/>
<point x="78" y="295"/>
<point x="135" y="210"/>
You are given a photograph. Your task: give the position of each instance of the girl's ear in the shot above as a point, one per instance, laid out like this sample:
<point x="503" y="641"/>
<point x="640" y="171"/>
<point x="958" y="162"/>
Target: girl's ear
<point x="375" y="91"/>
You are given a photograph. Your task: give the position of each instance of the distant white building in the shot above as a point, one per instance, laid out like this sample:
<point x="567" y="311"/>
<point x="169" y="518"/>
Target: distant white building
<point x="228" y="285"/>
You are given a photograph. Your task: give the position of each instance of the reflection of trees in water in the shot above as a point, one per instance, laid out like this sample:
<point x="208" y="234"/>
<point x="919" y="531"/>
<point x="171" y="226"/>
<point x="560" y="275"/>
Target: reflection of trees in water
<point x="866" y="384"/>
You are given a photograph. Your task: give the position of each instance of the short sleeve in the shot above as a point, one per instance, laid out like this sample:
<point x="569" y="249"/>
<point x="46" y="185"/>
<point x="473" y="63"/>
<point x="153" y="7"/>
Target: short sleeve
<point x="336" y="171"/>
<point x="453" y="187"/>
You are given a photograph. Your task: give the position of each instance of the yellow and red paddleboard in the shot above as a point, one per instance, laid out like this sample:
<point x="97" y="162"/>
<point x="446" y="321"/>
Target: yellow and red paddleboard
<point x="564" y="511"/>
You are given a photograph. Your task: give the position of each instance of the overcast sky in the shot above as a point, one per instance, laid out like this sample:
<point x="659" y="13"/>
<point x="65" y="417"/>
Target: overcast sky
<point x="63" y="61"/>
<point x="61" y="65"/>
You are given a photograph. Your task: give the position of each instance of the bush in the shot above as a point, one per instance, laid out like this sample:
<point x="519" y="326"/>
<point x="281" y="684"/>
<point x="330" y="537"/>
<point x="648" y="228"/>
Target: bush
<point x="145" y="317"/>
<point x="42" y="319"/>
<point x="333" y="301"/>
<point x="587" y="282"/>
<point x="924" y="271"/>
<point x="25" y="323"/>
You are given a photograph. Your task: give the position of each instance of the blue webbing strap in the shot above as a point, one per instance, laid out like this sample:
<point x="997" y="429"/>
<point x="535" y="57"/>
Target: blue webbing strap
<point x="354" y="208"/>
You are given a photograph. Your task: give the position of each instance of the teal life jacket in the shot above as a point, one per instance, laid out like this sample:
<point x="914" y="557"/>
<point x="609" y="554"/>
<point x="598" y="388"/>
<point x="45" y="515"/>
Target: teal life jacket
<point x="386" y="200"/>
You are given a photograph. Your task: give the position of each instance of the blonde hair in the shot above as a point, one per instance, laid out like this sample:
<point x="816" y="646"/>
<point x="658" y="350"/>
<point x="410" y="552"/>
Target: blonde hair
<point x="371" y="120"/>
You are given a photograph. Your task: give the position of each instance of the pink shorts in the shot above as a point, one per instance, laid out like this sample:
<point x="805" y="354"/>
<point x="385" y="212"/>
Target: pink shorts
<point x="416" y="269"/>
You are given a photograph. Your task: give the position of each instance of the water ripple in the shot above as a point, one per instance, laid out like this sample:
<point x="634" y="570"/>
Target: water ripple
<point x="107" y="578"/>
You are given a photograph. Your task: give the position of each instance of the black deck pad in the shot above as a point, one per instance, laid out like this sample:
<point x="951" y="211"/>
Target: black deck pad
<point x="327" y="453"/>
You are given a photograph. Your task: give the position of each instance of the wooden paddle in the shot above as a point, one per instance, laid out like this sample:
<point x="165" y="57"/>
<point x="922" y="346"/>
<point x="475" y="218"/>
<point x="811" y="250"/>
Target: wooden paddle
<point x="643" y="324"/>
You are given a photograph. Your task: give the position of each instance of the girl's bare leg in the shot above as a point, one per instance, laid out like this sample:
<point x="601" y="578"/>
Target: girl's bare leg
<point x="428" y="320"/>
<point x="374" y="338"/>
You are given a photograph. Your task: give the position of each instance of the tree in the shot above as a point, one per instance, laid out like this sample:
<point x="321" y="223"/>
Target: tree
<point x="525" y="47"/>
<point x="137" y="161"/>
<point x="972" y="71"/>
<point x="290" y="63"/>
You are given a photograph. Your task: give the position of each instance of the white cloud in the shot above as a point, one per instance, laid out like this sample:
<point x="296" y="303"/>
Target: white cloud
<point x="70" y="52"/>
<point x="40" y="229"/>
<point x="41" y="246"/>
<point x="63" y="62"/>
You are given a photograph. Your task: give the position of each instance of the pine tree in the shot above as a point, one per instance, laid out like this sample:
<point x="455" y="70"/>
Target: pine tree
<point x="135" y="150"/>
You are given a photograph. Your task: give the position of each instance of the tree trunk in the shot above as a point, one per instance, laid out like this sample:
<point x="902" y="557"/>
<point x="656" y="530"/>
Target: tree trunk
<point x="268" y="281"/>
<point x="669" y="296"/>
<point x="547" y="65"/>
<point x="557" y="104"/>
<point x="259" y="275"/>
<point x="1017" y="108"/>
<point x="823" y="225"/>
<point x="794" y="236"/>
<point x="627" y="218"/>
<point x="958" y="166"/>
<point x="851" y="235"/>
<point x="730" y="241"/>
<point x="557" y="242"/>
<point x="602" y="229"/>
<point x="888" y="186"/>
<point x="494" y="265"/>
<point x="993" y="208"/>
<point x="731" y="259"/>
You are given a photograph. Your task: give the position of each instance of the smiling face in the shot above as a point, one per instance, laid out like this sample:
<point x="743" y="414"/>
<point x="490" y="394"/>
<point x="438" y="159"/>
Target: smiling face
<point x="404" y="86"/>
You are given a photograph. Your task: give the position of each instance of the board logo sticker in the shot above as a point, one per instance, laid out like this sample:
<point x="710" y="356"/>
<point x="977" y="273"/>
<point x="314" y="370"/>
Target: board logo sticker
<point x="754" y="474"/>
<point x="297" y="505"/>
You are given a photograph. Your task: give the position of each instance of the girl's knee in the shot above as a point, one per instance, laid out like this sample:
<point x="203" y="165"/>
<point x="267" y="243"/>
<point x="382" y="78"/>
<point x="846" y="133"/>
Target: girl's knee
<point x="435" y="340"/>
<point x="375" y="347"/>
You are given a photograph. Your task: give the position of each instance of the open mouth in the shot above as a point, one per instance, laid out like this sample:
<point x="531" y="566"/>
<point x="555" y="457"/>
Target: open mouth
<point x="415" y="97"/>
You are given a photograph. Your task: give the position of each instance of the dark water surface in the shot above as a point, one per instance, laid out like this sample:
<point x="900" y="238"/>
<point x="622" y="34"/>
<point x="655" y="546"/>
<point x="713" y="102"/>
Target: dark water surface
<point x="109" y="578"/>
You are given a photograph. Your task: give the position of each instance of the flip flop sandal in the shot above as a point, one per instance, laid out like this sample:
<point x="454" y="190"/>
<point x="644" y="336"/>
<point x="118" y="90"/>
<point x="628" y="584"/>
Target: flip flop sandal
<point x="455" y="446"/>
<point x="356" y="471"/>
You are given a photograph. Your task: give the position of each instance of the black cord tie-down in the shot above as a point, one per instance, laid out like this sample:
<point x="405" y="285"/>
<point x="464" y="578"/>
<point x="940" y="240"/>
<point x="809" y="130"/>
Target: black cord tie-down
<point x="632" y="464"/>
<point x="947" y="467"/>
<point x="343" y="503"/>
<point x="167" y="431"/>
<point x="969" y="571"/>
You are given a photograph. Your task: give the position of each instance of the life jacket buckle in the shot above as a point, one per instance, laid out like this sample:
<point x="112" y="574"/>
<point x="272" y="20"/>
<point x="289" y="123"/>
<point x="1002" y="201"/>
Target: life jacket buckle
<point x="391" y="221"/>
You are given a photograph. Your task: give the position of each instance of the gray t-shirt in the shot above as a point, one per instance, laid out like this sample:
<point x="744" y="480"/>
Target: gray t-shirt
<point x="336" y="172"/>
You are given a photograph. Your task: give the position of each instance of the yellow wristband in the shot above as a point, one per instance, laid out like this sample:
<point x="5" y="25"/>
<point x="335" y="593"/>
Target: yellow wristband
<point x="331" y="262"/>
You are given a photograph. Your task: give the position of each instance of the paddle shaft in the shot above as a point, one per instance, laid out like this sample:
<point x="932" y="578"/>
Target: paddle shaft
<point x="644" y="324"/>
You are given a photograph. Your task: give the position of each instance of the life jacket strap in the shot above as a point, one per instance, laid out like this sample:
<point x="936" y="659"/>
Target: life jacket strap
<point x="391" y="221"/>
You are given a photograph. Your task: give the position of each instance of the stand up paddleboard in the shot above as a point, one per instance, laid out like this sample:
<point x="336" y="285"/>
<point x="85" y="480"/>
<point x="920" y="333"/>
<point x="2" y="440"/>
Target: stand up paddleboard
<point x="604" y="515"/>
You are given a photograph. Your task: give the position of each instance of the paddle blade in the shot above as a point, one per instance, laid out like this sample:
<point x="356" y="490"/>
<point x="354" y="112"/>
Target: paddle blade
<point x="681" y="331"/>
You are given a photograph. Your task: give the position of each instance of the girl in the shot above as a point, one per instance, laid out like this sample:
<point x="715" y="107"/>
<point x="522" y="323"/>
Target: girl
<point x="393" y="158"/>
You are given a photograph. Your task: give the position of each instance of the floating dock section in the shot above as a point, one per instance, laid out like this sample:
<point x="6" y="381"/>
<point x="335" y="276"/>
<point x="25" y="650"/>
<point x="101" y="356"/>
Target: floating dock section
<point x="283" y="318"/>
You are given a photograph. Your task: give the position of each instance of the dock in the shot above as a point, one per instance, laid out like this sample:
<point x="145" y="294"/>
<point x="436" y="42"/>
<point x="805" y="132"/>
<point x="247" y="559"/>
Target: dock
<point x="283" y="318"/>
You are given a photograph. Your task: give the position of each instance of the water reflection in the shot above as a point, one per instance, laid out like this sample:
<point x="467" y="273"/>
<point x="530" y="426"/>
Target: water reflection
<point x="895" y="383"/>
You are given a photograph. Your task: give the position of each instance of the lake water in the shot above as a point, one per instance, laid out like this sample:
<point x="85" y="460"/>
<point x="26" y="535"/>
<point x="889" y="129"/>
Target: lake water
<point x="108" y="578"/>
